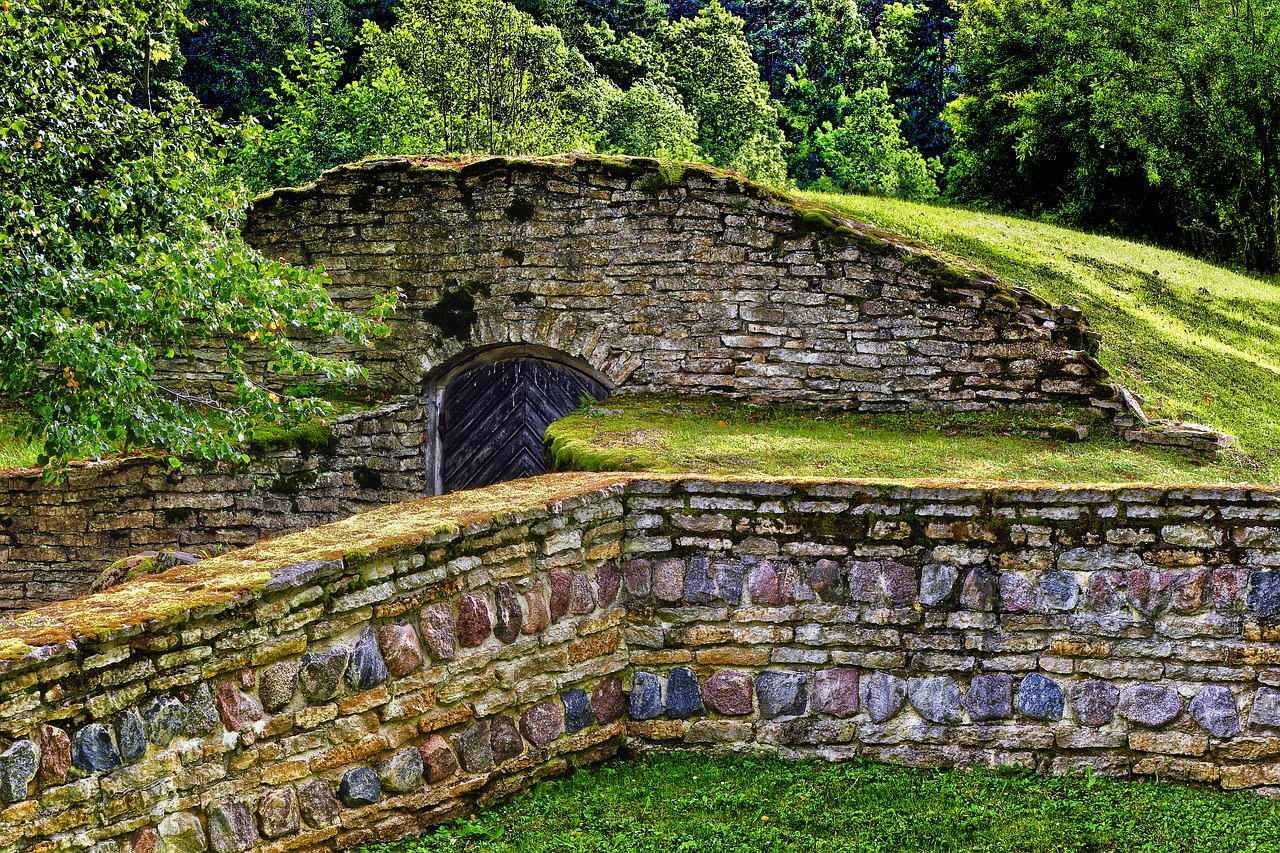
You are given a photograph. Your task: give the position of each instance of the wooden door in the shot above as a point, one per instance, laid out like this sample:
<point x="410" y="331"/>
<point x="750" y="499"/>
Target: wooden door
<point x="493" y="417"/>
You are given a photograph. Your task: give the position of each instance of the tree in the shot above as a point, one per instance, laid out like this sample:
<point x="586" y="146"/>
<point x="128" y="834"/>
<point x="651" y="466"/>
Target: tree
<point x="918" y="41"/>
<point x="710" y="62"/>
<point x="649" y="121"/>
<point x="117" y="226"/>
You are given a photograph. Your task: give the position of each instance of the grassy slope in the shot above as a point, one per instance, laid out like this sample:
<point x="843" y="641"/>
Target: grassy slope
<point x="673" y="436"/>
<point x="717" y="805"/>
<point x="1200" y="342"/>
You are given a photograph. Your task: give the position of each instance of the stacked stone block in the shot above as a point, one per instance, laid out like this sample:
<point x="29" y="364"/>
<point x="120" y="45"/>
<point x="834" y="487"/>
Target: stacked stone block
<point x="57" y="538"/>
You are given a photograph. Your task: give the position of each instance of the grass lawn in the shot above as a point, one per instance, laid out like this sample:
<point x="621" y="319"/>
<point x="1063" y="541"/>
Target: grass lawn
<point x="716" y="805"/>
<point x="676" y="436"/>
<point x="1200" y="342"/>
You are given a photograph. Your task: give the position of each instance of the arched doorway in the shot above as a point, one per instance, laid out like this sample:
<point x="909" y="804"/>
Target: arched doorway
<point x="488" y="410"/>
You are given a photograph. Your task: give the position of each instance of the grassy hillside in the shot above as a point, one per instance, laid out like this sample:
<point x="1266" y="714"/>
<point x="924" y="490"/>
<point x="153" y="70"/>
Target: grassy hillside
<point x="1200" y="342"/>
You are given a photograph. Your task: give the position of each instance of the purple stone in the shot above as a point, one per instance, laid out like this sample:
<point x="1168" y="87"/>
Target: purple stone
<point x="825" y="579"/>
<point x="438" y="760"/>
<point x="638" y="577"/>
<point x="559" y="602"/>
<point x="1149" y="704"/>
<point x="883" y="582"/>
<point x="668" y="580"/>
<point x="505" y="739"/>
<point x="582" y="598"/>
<point x="1094" y="702"/>
<point x="728" y="692"/>
<point x="1041" y="698"/>
<point x="608" y="700"/>
<point x="1017" y="595"/>
<point x="474" y="749"/>
<point x="237" y="710"/>
<point x="578" y="713"/>
<point x="979" y="591"/>
<point x="762" y="584"/>
<point x="990" y="697"/>
<point x="699" y="586"/>
<point x="543" y="723"/>
<point x="474" y="626"/>
<point x="1214" y="708"/>
<point x="608" y="580"/>
<point x="835" y="692"/>
<point x="438" y="630"/>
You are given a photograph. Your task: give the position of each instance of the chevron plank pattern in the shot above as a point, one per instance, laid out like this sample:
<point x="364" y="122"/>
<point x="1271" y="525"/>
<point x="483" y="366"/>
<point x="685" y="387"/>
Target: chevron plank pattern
<point x="494" y="417"/>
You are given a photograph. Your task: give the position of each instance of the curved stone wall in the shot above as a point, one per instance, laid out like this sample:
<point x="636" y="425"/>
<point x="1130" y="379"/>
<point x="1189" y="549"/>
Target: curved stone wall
<point x="366" y="679"/>
<point x="670" y="279"/>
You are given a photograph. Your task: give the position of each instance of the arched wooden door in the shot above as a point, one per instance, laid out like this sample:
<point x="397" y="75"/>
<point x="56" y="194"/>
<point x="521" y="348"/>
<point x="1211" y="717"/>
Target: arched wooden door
<point x="494" y="413"/>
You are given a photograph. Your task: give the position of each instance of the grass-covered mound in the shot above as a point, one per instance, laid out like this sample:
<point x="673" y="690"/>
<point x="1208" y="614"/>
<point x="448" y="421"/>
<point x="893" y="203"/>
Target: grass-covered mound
<point x="1201" y="342"/>
<point x="734" y="805"/>
<point x="665" y="435"/>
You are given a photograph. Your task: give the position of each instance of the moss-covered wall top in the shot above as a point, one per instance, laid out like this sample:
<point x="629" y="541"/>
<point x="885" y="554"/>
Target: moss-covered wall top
<point x="671" y="279"/>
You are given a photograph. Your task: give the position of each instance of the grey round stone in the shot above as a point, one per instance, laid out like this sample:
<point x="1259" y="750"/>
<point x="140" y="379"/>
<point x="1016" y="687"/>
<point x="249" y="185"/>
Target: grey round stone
<point x="276" y="685"/>
<point x="937" y="581"/>
<point x="1041" y="698"/>
<point x="1059" y="590"/>
<point x="319" y="807"/>
<point x="989" y="697"/>
<point x="882" y="696"/>
<point x="782" y="694"/>
<point x="1094" y="702"/>
<point x="937" y="698"/>
<point x="1149" y="704"/>
<point x="320" y="674"/>
<point x="131" y="735"/>
<point x="1265" y="709"/>
<point x="18" y="765"/>
<point x="402" y="772"/>
<point x="359" y="787"/>
<point x="181" y="832"/>
<point x="504" y="739"/>
<point x="645" y="700"/>
<point x="367" y="669"/>
<point x="93" y="750"/>
<point x="165" y="717"/>
<point x="578" y="713"/>
<point x="202" y="713"/>
<point x="684" y="694"/>
<point x="474" y="748"/>
<point x="231" y="828"/>
<point x="1214" y="708"/>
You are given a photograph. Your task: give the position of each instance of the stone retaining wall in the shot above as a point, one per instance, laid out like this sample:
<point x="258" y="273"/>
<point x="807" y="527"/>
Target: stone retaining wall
<point x="370" y="678"/>
<point x="57" y="538"/>
<point x="671" y="280"/>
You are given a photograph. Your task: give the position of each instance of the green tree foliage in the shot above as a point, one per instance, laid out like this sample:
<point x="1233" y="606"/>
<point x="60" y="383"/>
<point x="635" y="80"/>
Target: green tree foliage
<point x="1151" y="118"/>
<point x="649" y="120"/>
<point x="710" y="61"/>
<point x="117" y="230"/>
<point x="844" y="130"/>
<point x="918" y="41"/>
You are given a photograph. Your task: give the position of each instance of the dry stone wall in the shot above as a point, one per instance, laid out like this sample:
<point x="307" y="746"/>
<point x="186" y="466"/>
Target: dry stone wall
<point x="419" y="667"/>
<point x="670" y="280"/>
<point x="57" y="538"/>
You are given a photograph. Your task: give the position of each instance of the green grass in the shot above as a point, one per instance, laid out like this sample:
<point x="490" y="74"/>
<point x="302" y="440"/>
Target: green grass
<point x="708" y="437"/>
<point x="717" y="805"/>
<point x="16" y="452"/>
<point x="1200" y="342"/>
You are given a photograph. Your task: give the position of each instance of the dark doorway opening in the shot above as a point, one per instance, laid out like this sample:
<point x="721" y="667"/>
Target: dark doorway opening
<point x="491" y="408"/>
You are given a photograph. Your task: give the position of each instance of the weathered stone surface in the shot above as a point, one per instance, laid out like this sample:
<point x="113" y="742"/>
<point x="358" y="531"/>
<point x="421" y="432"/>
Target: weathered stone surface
<point x="231" y="828"/>
<point x="360" y="786"/>
<point x="366" y="669"/>
<point x="401" y="772"/>
<point x="827" y="581"/>
<point x="401" y="649"/>
<point x="1263" y="597"/>
<point x="144" y="840"/>
<point x="645" y="699"/>
<point x="319" y="807"/>
<point x="561" y="584"/>
<point x="238" y="711"/>
<point x="883" y="581"/>
<point x="1059" y="590"/>
<point x="782" y="693"/>
<point x="578" y="713"/>
<point x="55" y="757"/>
<point x="684" y="696"/>
<point x="438" y="760"/>
<point x="608" y="582"/>
<point x="728" y="692"/>
<point x="438" y="630"/>
<point x="729" y="575"/>
<point x="1265" y="709"/>
<point x="543" y="723"/>
<point x="835" y="692"/>
<point x="474" y="626"/>
<point x="93" y="749"/>
<point x="276" y="685"/>
<point x="608" y="700"/>
<point x="278" y="813"/>
<point x="937" y="581"/>
<point x="202" y="713"/>
<point x="320" y="674"/>
<point x="989" y="697"/>
<point x="668" y="579"/>
<point x="18" y="766"/>
<point x="131" y="735"/>
<point x="1017" y="593"/>
<point x="936" y="698"/>
<point x="539" y="617"/>
<point x="637" y="576"/>
<point x="762" y="584"/>
<point x="1149" y="704"/>
<point x="508" y="617"/>
<point x="473" y="748"/>
<point x="181" y="832"/>
<point x="882" y="696"/>
<point x="699" y="583"/>
<point x="582" y="595"/>
<point x="1214" y="708"/>
<point x="1094" y="702"/>
<point x="164" y="718"/>
<point x="505" y="739"/>
<point x="1041" y="698"/>
<point x="980" y="590"/>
